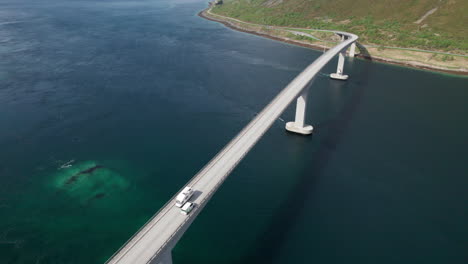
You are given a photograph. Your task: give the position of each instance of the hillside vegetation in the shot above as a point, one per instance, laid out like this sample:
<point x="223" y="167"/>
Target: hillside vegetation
<point x="440" y="25"/>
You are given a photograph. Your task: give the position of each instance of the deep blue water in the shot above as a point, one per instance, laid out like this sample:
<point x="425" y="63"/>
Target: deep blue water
<point x="150" y="91"/>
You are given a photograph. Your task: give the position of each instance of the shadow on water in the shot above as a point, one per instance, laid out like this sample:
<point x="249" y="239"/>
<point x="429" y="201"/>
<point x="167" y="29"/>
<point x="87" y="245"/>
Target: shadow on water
<point x="363" y="51"/>
<point x="273" y="237"/>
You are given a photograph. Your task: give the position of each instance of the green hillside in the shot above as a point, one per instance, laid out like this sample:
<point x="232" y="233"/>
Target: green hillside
<point x="379" y="22"/>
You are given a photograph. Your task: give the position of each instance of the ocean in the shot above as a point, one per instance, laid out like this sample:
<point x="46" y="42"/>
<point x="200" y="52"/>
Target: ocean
<point x="141" y="94"/>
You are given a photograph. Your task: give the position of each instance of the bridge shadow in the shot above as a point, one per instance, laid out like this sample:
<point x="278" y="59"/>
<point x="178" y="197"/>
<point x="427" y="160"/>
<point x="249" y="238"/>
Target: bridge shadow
<point x="195" y="195"/>
<point x="363" y="52"/>
<point x="272" y="239"/>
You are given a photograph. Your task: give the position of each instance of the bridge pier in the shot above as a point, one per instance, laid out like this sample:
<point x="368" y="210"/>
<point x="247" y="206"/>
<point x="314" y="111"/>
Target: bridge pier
<point x="298" y="125"/>
<point x="352" y="50"/>
<point x="339" y="69"/>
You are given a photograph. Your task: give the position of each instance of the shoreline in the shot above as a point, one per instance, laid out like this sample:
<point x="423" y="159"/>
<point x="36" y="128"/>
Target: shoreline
<point x="415" y="65"/>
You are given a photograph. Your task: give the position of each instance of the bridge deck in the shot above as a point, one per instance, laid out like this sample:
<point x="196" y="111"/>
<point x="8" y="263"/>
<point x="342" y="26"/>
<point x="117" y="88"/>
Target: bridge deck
<point x="164" y="227"/>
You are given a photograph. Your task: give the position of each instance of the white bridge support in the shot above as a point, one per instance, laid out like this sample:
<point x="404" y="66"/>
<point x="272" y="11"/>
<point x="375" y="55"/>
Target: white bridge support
<point x="341" y="59"/>
<point x="298" y="126"/>
<point x="153" y="243"/>
<point x="339" y="68"/>
<point x="352" y="50"/>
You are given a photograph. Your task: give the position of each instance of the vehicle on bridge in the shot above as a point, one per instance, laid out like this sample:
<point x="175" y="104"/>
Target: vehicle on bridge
<point x="184" y="196"/>
<point x="187" y="208"/>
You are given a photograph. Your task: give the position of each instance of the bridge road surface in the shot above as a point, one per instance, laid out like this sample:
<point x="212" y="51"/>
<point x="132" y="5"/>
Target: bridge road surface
<point x="160" y="234"/>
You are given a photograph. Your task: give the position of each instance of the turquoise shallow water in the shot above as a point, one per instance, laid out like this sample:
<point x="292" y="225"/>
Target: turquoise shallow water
<point x="138" y="95"/>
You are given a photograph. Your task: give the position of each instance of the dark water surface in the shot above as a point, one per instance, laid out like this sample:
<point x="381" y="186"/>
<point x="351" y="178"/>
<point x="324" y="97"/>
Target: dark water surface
<point x="108" y="107"/>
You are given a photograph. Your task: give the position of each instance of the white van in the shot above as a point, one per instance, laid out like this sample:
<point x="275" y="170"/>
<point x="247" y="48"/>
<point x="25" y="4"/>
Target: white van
<point x="183" y="196"/>
<point x="187" y="208"/>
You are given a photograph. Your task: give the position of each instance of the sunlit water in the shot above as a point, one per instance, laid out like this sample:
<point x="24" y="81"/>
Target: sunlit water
<point x="108" y="107"/>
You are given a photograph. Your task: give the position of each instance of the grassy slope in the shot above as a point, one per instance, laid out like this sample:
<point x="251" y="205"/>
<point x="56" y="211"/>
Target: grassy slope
<point x="379" y="22"/>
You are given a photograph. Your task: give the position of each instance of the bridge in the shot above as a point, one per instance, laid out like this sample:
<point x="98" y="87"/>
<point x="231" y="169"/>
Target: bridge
<point x="154" y="242"/>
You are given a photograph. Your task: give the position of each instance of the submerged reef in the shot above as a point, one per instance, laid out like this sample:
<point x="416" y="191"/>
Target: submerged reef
<point x="75" y="177"/>
<point x="88" y="181"/>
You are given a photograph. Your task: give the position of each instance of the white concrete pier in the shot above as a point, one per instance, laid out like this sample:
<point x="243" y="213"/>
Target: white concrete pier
<point x="339" y="68"/>
<point x="352" y="50"/>
<point x="298" y="126"/>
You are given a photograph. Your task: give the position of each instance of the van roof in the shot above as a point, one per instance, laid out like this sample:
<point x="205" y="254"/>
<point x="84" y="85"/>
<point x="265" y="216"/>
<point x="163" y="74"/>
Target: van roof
<point x="180" y="196"/>
<point x="186" y="205"/>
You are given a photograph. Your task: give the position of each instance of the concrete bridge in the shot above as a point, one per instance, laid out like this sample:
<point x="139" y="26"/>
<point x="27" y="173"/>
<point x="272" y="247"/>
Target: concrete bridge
<point x="154" y="242"/>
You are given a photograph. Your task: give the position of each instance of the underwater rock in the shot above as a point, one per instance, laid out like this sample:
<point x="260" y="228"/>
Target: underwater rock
<point x="75" y="177"/>
<point x="95" y="197"/>
<point x="99" y="195"/>
<point x="89" y="182"/>
<point x="90" y="170"/>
